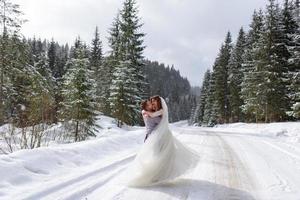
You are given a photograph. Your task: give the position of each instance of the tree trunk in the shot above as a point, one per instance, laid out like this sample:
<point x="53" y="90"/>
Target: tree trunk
<point x="76" y="131"/>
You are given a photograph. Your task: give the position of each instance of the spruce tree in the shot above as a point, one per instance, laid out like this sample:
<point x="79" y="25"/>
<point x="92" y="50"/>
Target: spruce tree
<point x="52" y="58"/>
<point x="120" y="94"/>
<point x="78" y="105"/>
<point x="101" y="74"/>
<point x="132" y="41"/>
<point x="273" y="64"/>
<point x="221" y="91"/>
<point x="17" y="75"/>
<point x="41" y="96"/>
<point x="250" y="82"/>
<point x="193" y="119"/>
<point x="11" y="22"/>
<point x="235" y="78"/>
<point x="292" y="42"/>
<point x="128" y="83"/>
<point x="210" y="108"/>
<point x="199" y="113"/>
<point x="112" y="59"/>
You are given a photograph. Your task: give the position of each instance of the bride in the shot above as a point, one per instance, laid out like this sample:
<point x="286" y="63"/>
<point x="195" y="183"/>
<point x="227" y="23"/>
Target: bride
<point x="162" y="157"/>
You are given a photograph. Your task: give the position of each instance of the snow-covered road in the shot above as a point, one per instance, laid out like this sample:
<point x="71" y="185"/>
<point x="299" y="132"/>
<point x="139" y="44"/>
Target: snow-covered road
<point x="233" y="166"/>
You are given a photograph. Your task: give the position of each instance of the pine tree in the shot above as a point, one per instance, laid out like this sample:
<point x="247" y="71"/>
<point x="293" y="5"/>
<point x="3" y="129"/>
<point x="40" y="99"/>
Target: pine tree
<point x="221" y="90"/>
<point x="210" y="108"/>
<point x="193" y="119"/>
<point x="132" y="41"/>
<point x="235" y="78"/>
<point x="18" y="78"/>
<point x="292" y="42"/>
<point x="41" y="96"/>
<point x="120" y="94"/>
<point x="250" y="81"/>
<point x="78" y="106"/>
<point x="113" y="58"/>
<point x="11" y="22"/>
<point x="101" y="74"/>
<point x="295" y="87"/>
<point x="127" y="87"/>
<point x="52" y="58"/>
<point x="62" y="55"/>
<point x="273" y="64"/>
<point x="199" y="112"/>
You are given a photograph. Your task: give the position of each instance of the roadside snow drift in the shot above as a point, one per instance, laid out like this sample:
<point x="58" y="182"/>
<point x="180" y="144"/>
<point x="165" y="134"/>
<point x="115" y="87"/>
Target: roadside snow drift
<point x="238" y="161"/>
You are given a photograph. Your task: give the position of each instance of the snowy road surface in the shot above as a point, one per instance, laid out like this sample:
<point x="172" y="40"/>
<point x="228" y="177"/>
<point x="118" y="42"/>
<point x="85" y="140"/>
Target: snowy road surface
<point x="233" y="166"/>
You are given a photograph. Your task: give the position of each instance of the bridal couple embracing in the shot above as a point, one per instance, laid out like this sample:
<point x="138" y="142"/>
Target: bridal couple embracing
<point x="162" y="157"/>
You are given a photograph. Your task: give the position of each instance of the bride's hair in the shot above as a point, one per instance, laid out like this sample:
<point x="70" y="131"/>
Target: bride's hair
<point x="144" y="104"/>
<point x="157" y="98"/>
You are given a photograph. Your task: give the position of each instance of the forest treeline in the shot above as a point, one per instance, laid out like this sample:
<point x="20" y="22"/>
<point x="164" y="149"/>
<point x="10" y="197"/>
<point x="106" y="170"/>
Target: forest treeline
<point x="256" y="79"/>
<point x="44" y="82"/>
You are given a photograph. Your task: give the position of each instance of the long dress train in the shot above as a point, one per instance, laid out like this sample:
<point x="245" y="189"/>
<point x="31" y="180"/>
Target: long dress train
<point x="162" y="157"/>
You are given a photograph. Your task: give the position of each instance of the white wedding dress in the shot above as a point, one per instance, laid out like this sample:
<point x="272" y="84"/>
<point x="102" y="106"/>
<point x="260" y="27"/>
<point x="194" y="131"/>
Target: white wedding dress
<point x="161" y="158"/>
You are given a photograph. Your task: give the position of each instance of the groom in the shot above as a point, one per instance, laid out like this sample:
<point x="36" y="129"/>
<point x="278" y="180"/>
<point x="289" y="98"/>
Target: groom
<point x="150" y="105"/>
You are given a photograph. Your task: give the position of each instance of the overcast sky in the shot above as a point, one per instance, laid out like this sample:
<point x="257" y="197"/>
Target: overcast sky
<point x="186" y="33"/>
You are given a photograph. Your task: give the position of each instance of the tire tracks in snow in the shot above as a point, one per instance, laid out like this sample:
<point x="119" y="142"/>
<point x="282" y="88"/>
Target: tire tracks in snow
<point x="284" y="179"/>
<point x="283" y="150"/>
<point x="82" y="184"/>
<point x="229" y="169"/>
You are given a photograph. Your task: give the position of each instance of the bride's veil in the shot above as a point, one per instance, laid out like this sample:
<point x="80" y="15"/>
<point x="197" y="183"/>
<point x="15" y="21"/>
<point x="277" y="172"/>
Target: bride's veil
<point x="162" y="156"/>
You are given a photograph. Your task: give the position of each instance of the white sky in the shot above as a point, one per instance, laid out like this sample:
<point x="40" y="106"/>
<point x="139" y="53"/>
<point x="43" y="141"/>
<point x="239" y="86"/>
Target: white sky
<point x="186" y="33"/>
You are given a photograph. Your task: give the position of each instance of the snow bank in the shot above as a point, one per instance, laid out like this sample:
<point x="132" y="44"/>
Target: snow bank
<point x="54" y="134"/>
<point x="56" y="165"/>
<point x="289" y="131"/>
<point x="26" y="167"/>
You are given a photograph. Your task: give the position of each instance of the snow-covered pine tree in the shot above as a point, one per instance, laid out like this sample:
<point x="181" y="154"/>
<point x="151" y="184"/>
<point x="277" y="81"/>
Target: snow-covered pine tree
<point x="10" y="21"/>
<point x="194" y="111"/>
<point x="128" y="83"/>
<point x="52" y="58"/>
<point x="295" y="87"/>
<point x="101" y="73"/>
<point x="113" y="59"/>
<point x="292" y="42"/>
<point x="272" y="63"/>
<point x="53" y="66"/>
<point x="42" y="70"/>
<point x="210" y="109"/>
<point x="289" y="21"/>
<point x="16" y="79"/>
<point x="221" y="90"/>
<point x="57" y="57"/>
<point x="121" y="89"/>
<point x="78" y="105"/>
<point x="40" y="97"/>
<point x="235" y="77"/>
<point x="185" y="104"/>
<point x="132" y="42"/>
<point x="250" y="82"/>
<point x="35" y="49"/>
<point x="199" y="112"/>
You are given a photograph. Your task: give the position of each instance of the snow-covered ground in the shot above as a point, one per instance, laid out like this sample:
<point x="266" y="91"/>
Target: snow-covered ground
<point x="238" y="161"/>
